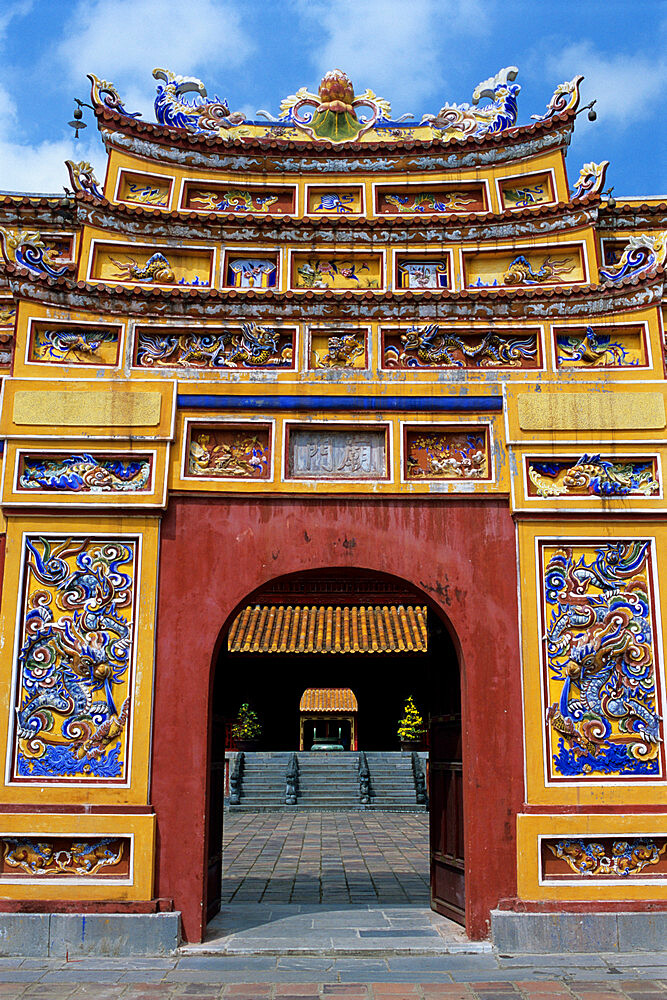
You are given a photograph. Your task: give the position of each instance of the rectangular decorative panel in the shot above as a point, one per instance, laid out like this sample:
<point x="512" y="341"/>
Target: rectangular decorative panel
<point x="152" y="265"/>
<point x="248" y="345"/>
<point x="600" y="347"/>
<point x="44" y="859"/>
<point x="232" y="451"/>
<point x="603" y="859"/>
<point x="592" y="476"/>
<point x="433" y="346"/>
<point x="337" y="454"/>
<point x="530" y="267"/>
<point x="422" y="273"/>
<point x="522" y="192"/>
<point x="58" y="343"/>
<point x="337" y="271"/>
<point x="452" y="453"/>
<point x="74" y="665"/>
<point x="84" y="473"/>
<point x="335" y="349"/>
<point x="445" y="199"/>
<point x="335" y="201"/>
<point x="228" y="198"/>
<point x="144" y="189"/>
<point x="601" y="675"/>
<point x="242" y="270"/>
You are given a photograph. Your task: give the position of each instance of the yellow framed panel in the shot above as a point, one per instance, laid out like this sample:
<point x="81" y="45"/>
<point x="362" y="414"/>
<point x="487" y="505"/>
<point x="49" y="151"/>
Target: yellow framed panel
<point x="66" y="409"/>
<point x="41" y="837"/>
<point x="84" y="475"/>
<point x="602" y="476"/>
<point x="75" y="353"/>
<point x="647" y="830"/>
<point x="543" y="544"/>
<point x="275" y="480"/>
<point x="65" y="539"/>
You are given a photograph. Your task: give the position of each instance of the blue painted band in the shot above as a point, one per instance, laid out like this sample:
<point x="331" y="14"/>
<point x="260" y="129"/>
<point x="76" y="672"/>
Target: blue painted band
<point x="440" y="404"/>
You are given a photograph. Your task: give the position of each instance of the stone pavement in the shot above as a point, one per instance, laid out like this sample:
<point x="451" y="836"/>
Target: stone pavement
<point x="337" y="857"/>
<point x="449" y="977"/>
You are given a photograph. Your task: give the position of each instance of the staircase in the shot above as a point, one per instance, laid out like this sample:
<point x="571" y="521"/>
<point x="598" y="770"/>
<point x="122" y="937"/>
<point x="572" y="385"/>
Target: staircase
<point x="328" y="782"/>
<point x="263" y="781"/>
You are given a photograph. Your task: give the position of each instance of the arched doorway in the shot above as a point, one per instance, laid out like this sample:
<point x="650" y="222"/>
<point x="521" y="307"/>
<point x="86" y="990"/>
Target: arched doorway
<point x="215" y="554"/>
<point x="272" y="678"/>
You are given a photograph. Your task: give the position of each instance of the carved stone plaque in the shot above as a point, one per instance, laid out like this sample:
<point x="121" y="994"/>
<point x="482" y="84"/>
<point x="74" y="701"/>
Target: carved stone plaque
<point x="344" y="454"/>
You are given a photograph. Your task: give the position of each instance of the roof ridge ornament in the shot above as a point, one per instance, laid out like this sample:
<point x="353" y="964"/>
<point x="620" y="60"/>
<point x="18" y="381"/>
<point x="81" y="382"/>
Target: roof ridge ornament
<point x="82" y="177"/>
<point x="335" y="113"/>
<point x="200" y="115"/>
<point x="643" y="253"/>
<point x="565" y="98"/>
<point x="590" y="180"/>
<point x="27" y="249"/>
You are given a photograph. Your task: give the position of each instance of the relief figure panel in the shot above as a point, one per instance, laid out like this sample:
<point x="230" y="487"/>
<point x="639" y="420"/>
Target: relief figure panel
<point x="131" y="264"/>
<point x="47" y="859"/>
<point x="60" y="343"/>
<point x="337" y="348"/>
<point x="601" y="675"/>
<point x="84" y="473"/>
<point x="144" y="189"/>
<point x="232" y="451"/>
<point x="249" y="345"/>
<point x="74" y="668"/>
<point x="460" y="453"/>
<point x="445" y="199"/>
<point x="601" y="347"/>
<point x="344" y="454"/>
<point x="592" y="476"/>
<point x="342" y="271"/>
<point x="436" y="347"/>
<point x="230" y="198"/>
<point x="335" y="201"/>
<point x="250" y="272"/>
<point x="428" y="273"/>
<point x="522" y="192"/>
<point x="556" y="265"/>
<point x="603" y="859"/>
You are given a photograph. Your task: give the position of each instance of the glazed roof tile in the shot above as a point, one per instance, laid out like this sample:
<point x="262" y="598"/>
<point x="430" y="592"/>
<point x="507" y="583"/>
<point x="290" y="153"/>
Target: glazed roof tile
<point x="328" y="700"/>
<point x="339" y="629"/>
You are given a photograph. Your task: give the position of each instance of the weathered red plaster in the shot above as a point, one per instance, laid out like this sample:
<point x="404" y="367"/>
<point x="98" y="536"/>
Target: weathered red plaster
<point x="460" y="554"/>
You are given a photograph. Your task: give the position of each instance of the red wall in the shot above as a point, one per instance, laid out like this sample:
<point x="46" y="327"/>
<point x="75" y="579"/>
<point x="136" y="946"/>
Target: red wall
<point x="461" y="554"/>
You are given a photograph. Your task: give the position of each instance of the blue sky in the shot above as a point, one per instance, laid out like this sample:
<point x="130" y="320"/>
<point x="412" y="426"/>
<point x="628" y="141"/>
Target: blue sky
<point x="418" y="54"/>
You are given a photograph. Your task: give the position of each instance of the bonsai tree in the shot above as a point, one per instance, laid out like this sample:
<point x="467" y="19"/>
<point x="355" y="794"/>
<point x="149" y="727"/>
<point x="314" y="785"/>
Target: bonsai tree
<point x="247" y="726"/>
<point x="411" y="726"/>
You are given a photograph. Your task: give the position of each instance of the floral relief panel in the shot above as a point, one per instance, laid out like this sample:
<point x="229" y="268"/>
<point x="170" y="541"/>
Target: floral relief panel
<point x="600" y="669"/>
<point x="74" y="667"/>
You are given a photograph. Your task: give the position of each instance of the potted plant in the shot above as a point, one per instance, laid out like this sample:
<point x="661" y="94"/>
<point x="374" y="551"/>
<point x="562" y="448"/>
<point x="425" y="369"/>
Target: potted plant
<point x="411" y="726"/>
<point x="247" y="729"/>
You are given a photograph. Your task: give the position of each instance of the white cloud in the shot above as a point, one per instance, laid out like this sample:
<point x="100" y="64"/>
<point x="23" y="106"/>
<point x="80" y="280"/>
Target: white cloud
<point x="627" y="87"/>
<point x="39" y="168"/>
<point x="122" y="40"/>
<point x="400" y="50"/>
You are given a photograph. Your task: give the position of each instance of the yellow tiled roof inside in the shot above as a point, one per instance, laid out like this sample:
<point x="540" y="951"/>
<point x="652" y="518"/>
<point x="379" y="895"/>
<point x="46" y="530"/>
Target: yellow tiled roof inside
<point x="328" y="700"/>
<point x="339" y="629"/>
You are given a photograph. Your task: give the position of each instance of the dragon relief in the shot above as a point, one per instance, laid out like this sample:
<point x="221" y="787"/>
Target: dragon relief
<point x="592" y="475"/>
<point x="85" y="474"/>
<point x="599" y="656"/>
<point x="45" y="857"/>
<point x="469" y="120"/>
<point x="642" y="255"/>
<point x="253" y="346"/>
<point x="520" y="271"/>
<point x="430" y="347"/>
<point x="199" y="116"/>
<point x="343" y="350"/>
<point x="592" y="350"/>
<point x="157" y="270"/>
<point x="620" y="859"/>
<point x="75" y="659"/>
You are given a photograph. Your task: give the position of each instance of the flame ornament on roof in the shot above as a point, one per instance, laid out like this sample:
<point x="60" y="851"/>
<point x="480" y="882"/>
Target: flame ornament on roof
<point x="565" y="98"/>
<point x="335" y="113"/>
<point x="28" y="250"/>
<point x="644" y="253"/>
<point x="82" y="178"/>
<point x="590" y="180"/>
<point x="466" y="120"/>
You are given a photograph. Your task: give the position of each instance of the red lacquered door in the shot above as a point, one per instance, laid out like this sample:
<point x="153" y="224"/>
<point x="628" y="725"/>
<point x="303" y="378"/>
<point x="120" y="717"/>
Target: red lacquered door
<point x="446" y="818"/>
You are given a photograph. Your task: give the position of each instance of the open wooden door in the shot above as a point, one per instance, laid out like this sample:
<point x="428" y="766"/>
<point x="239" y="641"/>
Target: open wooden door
<point x="215" y="818"/>
<point x="446" y="818"/>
